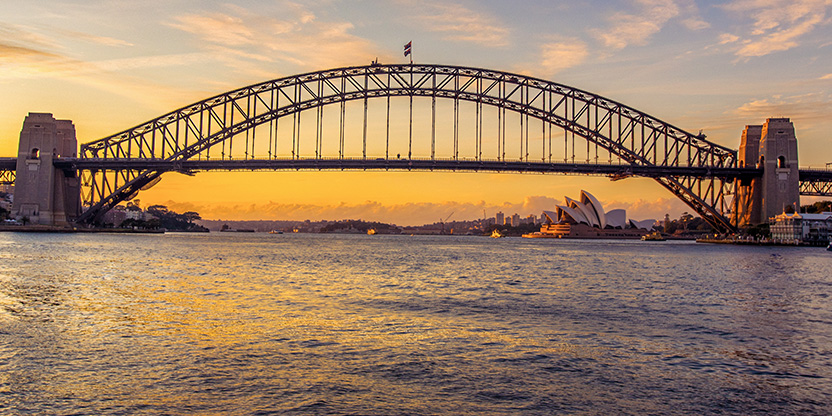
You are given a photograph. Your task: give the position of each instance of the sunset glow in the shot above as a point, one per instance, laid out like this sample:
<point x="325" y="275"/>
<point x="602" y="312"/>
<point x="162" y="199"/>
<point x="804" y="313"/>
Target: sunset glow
<point x="112" y="65"/>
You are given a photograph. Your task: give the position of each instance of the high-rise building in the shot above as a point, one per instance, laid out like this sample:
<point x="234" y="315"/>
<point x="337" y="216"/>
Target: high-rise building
<point x="499" y="218"/>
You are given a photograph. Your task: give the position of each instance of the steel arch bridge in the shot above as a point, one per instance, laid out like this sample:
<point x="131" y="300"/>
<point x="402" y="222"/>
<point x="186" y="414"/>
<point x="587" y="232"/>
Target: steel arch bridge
<point x="202" y="136"/>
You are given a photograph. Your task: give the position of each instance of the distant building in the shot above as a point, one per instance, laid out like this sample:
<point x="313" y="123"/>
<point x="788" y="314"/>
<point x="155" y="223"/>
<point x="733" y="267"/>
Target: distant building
<point x="115" y="216"/>
<point x="515" y="220"/>
<point x="500" y="218"/>
<point x="586" y="218"/>
<point x="802" y="228"/>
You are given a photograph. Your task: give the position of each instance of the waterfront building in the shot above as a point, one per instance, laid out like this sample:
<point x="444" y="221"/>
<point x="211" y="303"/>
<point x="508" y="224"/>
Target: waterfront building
<point x="515" y="220"/>
<point x="801" y="228"/>
<point x="586" y="218"/>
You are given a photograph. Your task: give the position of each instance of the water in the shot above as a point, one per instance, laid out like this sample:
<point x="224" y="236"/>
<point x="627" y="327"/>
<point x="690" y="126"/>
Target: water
<point x="352" y="324"/>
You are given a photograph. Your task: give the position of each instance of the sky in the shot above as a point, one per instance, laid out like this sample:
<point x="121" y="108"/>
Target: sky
<point x="715" y="66"/>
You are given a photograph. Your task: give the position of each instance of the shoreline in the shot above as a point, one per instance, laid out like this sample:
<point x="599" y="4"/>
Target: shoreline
<point x="68" y="229"/>
<point x="757" y="242"/>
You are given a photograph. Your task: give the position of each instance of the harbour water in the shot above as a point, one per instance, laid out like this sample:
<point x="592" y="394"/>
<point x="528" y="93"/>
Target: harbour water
<point x="245" y="324"/>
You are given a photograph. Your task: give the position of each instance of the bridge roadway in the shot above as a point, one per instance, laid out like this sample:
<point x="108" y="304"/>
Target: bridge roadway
<point x="821" y="178"/>
<point x="464" y="165"/>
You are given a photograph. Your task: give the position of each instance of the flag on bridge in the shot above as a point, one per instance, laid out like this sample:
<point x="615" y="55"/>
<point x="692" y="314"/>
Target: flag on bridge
<point x="407" y="48"/>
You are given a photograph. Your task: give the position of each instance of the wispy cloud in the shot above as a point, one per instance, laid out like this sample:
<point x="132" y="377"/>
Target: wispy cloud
<point x="557" y="56"/>
<point x="727" y="38"/>
<point x="459" y="23"/>
<point x="636" y="28"/>
<point x="778" y="25"/>
<point x="100" y="40"/>
<point x="25" y="53"/>
<point x="807" y="108"/>
<point x="21" y="43"/>
<point x="238" y="35"/>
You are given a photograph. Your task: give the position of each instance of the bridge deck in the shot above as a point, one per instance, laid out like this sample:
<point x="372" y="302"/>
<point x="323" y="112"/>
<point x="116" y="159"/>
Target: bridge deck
<point x="405" y="164"/>
<point x="10" y="163"/>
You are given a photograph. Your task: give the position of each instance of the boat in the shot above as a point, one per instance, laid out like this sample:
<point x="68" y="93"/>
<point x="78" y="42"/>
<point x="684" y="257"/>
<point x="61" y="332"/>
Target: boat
<point x="829" y="247"/>
<point x="371" y="231"/>
<point x="496" y="234"/>
<point x="654" y="236"/>
<point x="275" y="232"/>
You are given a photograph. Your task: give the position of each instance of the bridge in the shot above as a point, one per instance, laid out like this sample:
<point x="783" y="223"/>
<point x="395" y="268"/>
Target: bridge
<point x="412" y="117"/>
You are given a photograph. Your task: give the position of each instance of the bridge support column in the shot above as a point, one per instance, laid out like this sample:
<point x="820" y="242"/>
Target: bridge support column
<point x="43" y="194"/>
<point x="771" y="147"/>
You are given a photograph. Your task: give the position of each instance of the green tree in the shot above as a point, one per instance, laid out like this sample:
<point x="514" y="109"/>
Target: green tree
<point x="192" y="216"/>
<point x="819" y="206"/>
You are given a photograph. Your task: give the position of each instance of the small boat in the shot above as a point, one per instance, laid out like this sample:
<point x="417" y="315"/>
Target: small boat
<point x="496" y="234"/>
<point x="829" y="247"/>
<point x="275" y="232"/>
<point x="371" y="231"/>
<point x="654" y="236"/>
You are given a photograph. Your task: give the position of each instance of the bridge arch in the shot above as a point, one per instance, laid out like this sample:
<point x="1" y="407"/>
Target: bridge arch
<point x="189" y="133"/>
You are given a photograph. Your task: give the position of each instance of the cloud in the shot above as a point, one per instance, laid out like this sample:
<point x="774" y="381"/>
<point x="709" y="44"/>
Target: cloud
<point x="237" y="36"/>
<point x="406" y="214"/>
<point x="557" y="56"/>
<point x="727" y="38"/>
<point x="637" y="28"/>
<point x="28" y="54"/>
<point x="20" y="43"/>
<point x="644" y="209"/>
<point x="826" y="77"/>
<point x="777" y="25"/>
<point x="101" y="40"/>
<point x="809" y="108"/>
<point x="13" y="52"/>
<point x="417" y="213"/>
<point x="459" y="23"/>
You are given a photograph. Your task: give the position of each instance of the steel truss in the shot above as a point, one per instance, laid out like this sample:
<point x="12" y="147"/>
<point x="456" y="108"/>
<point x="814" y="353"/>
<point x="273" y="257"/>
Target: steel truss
<point x="816" y="182"/>
<point x="208" y="129"/>
<point x="7" y="177"/>
<point x="8" y="168"/>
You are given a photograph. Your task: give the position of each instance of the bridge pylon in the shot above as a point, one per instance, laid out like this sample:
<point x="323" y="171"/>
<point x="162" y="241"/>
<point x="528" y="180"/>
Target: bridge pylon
<point x="43" y="193"/>
<point x="771" y="147"/>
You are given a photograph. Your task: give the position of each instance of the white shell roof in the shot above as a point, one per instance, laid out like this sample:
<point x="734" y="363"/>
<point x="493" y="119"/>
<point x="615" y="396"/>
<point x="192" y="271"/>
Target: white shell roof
<point x="588" y="213"/>
<point x="617" y="218"/>
<point x="575" y="214"/>
<point x="595" y="205"/>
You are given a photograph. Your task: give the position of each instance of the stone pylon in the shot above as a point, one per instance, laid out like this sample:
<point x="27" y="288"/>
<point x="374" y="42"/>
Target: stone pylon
<point x="43" y="194"/>
<point x="771" y="147"/>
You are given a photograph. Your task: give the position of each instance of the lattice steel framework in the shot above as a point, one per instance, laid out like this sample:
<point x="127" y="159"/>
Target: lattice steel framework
<point x="8" y="168"/>
<point x="7" y="177"/>
<point x="207" y="130"/>
<point x="816" y="182"/>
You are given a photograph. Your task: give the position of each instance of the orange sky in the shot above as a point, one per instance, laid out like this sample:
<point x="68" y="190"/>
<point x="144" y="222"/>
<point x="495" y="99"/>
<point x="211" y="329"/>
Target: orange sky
<point x="112" y="65"/>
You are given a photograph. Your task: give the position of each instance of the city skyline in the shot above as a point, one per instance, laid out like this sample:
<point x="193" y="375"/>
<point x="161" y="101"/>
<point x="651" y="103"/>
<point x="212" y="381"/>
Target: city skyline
<point x="111" y="65"/>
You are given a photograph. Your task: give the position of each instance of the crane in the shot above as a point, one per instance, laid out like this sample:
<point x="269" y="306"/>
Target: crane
<point x="442" y="222"/>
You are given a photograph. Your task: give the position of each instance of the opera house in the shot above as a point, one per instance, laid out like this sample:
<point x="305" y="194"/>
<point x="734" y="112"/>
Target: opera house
<point x="586" y="218"/>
